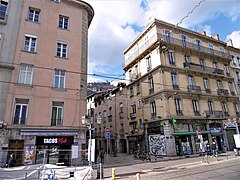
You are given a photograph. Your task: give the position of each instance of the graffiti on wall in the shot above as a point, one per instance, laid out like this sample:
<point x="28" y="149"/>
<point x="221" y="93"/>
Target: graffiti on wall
<point x="157" y="145"/>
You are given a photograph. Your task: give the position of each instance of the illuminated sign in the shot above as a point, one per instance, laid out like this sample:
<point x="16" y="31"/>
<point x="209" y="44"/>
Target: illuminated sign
<point x="40" y="140"/>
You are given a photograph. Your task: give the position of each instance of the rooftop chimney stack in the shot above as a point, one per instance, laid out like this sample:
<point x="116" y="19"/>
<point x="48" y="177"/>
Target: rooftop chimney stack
<point x="216" y="37"/>
<point x="229" y="42"/>
<point x="203" y="33"/>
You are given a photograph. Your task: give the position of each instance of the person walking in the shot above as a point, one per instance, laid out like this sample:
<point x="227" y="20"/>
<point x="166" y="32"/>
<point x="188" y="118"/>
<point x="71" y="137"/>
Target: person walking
<point x="102" y="154"/>
<point x="96" y="155"/>
<point x="214" y="149"/>
<point x="11" y="161"/>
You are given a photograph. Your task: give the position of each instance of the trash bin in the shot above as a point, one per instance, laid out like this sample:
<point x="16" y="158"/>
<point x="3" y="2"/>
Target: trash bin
<point x="100" y="175"/>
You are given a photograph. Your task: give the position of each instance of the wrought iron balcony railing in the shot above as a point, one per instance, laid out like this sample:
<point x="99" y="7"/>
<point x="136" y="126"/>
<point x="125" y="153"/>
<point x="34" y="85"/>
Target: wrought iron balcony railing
<point x="194" y="89"/>
<point x="214" y="113"/>
<point x="223" y="92"/>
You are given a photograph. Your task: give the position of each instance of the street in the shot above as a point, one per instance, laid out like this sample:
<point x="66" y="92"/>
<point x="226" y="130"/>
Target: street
<point x="181" y="169"/>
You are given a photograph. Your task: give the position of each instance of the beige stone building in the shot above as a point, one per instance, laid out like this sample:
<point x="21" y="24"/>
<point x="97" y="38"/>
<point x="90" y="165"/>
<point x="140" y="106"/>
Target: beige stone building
<point x="46" y="93"/>
<point x="181" y="91"/>
<point x="111" y="106"/>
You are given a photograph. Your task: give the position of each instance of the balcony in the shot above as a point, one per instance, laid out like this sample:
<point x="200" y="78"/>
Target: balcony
<point x="197" y="113"/>
<point x="179" y="112"/>
<point x="222" y="92"/>
<point x="214" y="114"/>
<point x="175" y="86"/>
<point x="132" y="115"/>
<point x="121" y="115"/>
<point x="151" y="91"/>
<point x="208" y="91"/>
<point x="194" y="89"/>
<point x="233" y="93"/>
<point x="201" y="68"/>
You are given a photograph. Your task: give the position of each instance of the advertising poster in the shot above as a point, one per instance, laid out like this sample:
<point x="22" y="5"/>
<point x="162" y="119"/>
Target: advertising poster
<point x="29" y="150"/>
<point x="157" y="145"/>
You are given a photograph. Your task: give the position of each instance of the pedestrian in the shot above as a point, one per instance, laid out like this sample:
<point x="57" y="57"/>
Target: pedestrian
<point x="102" y="154"/>
<point x="214" y="149"/>
<point x="208" y="149"/>
<point x="11" y="161"/>
<point x="96" y="155"/>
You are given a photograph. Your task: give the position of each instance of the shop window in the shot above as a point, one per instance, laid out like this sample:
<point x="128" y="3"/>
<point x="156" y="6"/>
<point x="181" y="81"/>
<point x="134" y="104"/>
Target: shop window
<point x="3" y="10"/>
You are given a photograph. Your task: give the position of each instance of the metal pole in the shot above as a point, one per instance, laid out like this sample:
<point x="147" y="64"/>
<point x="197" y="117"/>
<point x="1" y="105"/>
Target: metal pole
<point x="100" y="165"/>
<point x="107" y="151"/>
<point x="90" y="145"/>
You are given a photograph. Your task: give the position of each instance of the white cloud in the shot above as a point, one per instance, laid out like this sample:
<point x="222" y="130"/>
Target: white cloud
<point x="235" y="36"/>
<point x="114" y="24"/>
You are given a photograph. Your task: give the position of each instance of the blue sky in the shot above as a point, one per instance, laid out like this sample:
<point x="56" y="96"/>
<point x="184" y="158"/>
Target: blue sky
<point x="118" y="22"/>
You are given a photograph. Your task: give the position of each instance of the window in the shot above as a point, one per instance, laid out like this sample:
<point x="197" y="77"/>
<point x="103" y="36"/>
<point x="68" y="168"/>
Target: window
<point x="20" y="113"/>
<point x="153" y="109"/>
<point x="211" y="48"/>
<point x="151" y="84"/>
<point x="219" y="84"/>
<point x="61" y="50"/>
<point x="197" y="44"/>
<point x="138" y="87"/>
<point x="210" y="107"/>
<point x="225" y="108"/>
<point x="178" y="105"/>
<point x="227" y="71"/>
<point x="202" y="62"/>
<point x="3" y="10"/>
<point x="63" y="22"/>
<point x="174" y="80"/>
<point x="105" y="115"/>
<point x="131" y="91"/>
<point x="191" y="81"/>
<point x="59" y="79"/>
<point x="136" y="71"/>
<point x="238" y="76"/>
<point x="25" y="74"/>
<point x="33" y="15"/>
<point x="56" y="1"/>
<point x="222" y="51"/>
<point x="57" y="114"/>
<point x="206" y="84"/>
<point x="236" y="108"/>
<point x="215" y="64"/>
<point x="195" y="104"/>
<point x="30" y="43"/>
<point x="184" y="40"/>
<point x="231" y="88"/>
<point x="110" y="111"/>
<point x="149" y="63"/>
<point x="187" y="59"/>
<point x="171" y="58"/>
<point x="167" y="36"/>
<point x="133" y="111"/>
<point x="139" y="104"/>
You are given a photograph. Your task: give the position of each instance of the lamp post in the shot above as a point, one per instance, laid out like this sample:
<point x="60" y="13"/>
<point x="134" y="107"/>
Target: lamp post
<point x="87" y="121"/>
<point x="100" y="172"/>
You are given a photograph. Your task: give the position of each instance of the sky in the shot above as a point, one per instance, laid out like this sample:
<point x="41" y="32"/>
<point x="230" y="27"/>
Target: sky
<point x="117" y="23"/>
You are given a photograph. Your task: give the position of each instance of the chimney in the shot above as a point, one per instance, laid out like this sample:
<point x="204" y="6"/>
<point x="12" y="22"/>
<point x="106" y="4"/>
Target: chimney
<point x="229" y="42"/>
<point x="203" y="33"/>
<point x="216" y="37"/>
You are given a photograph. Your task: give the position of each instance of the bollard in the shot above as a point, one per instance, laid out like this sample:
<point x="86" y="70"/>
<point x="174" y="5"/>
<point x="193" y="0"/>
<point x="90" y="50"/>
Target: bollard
<point x="138" y="176"/>
<point x="113" y="173"/>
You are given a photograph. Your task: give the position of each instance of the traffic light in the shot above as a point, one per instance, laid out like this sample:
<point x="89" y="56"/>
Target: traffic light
<point x="173" y="121"/>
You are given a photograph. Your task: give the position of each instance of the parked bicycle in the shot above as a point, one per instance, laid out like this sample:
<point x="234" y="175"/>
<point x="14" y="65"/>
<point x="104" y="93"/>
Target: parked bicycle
<point x="142" y="156"/>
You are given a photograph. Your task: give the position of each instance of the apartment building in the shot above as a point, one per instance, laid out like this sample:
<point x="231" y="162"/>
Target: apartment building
<point x="181" y="91"/>
<point x="44" y="46"/>
<point x="111" y="107"/>
<point x="94" y="87"/>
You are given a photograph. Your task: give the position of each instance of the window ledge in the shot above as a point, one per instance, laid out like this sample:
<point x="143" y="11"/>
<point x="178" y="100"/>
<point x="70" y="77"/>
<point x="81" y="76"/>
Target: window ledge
<point x="29" y="52"/>
<point x="63" y="29"/>
<point x="24" y="85"/>
<point x="64" y="58"/>
<point x="59" y="89"/>
<point x="32" y="21"/>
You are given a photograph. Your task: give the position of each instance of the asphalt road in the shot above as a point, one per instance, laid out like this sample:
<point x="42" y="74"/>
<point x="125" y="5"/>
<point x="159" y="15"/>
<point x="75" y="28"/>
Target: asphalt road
<point x="222" y="169"/>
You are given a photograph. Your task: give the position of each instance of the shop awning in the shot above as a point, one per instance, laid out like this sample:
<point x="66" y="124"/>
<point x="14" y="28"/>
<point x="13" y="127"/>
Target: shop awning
<point x="46" y="132"/>
<point x="188" y="133"/>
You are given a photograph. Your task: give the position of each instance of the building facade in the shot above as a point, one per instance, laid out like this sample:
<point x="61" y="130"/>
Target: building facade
<point x="111" y="107"/>
<point x="44" y="50"/>
<point x="181" y="91"/>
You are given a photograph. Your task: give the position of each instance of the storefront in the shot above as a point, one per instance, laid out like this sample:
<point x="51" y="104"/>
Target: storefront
<point x="135" y="143"/>
<point x="55" y="149"/>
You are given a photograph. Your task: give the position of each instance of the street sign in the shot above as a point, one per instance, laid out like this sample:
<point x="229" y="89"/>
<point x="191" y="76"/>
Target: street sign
<point x="107" y="135"/>
<point x="107" y="129"/>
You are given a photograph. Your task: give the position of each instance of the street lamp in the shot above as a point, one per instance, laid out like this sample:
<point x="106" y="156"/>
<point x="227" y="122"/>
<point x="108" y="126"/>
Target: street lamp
<point x="100" y="170"/>
<point x="87" y="121"/>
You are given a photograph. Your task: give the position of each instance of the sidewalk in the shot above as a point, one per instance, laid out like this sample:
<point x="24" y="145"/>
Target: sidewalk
<point x="125" y="165"/>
